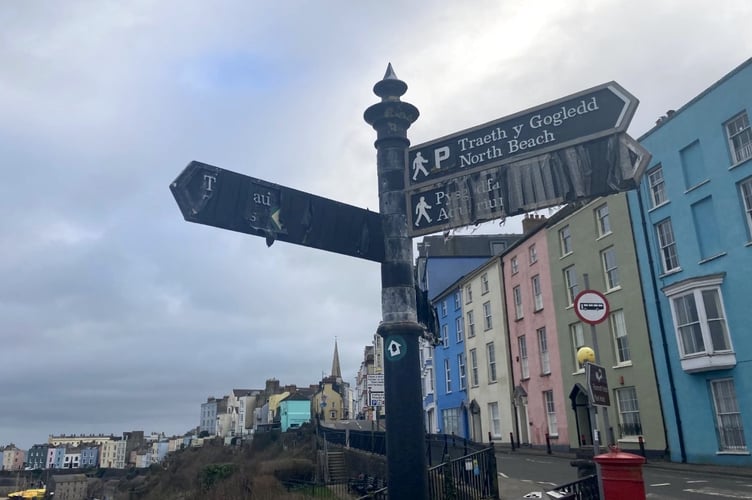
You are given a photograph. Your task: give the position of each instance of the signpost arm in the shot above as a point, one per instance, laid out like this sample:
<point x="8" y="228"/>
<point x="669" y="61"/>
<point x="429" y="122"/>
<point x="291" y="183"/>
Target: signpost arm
<point x="407" y="473"/>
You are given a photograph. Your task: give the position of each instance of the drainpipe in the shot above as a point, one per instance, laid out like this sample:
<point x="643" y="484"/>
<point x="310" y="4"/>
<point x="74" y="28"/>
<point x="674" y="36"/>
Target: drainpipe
<point x="664" y="343"/>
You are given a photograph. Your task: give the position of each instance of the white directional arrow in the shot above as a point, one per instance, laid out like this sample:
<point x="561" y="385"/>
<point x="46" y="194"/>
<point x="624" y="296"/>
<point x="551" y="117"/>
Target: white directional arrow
<point x="599" y="375"/>
<point x="394" y="348"/>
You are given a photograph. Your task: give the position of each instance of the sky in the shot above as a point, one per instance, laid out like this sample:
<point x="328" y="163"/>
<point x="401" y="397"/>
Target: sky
<point x="115" y="313"/>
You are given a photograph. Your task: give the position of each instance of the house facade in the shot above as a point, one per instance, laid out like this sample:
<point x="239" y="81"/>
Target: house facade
<point x="294" y="411"/>
<point x="540" y="405"/>
<point x="489" y="401"/>
<point x="451" y="366"/>
<point x="693" y="228"/>
<point x="590" y="246"/>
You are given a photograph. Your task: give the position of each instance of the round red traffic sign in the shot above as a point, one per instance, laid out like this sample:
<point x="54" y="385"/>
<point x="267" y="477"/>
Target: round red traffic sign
<point x="591" y="306"/>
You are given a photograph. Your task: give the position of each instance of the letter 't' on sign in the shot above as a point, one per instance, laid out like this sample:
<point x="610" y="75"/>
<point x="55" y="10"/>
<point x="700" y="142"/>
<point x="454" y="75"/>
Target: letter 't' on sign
<point x="591" y="306"/>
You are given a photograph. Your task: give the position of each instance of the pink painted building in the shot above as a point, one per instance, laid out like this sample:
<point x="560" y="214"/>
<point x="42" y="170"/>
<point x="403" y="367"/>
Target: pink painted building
<point x="538" y="397"/>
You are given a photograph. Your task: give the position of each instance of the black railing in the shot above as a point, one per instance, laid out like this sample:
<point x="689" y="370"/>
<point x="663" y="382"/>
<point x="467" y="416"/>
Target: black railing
<point x="469" y="477"/>
<point x="582" y="489"/>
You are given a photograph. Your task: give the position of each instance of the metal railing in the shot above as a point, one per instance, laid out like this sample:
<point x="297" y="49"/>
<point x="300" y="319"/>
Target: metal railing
<point x="470" y="477"/>
<point x="582" y="489"/>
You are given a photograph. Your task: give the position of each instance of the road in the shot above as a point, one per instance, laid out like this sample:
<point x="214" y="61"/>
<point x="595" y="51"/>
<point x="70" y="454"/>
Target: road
<point x="521" y="475"/>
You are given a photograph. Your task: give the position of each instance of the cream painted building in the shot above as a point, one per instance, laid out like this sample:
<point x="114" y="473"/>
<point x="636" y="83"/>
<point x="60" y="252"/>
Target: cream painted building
<point x="489" y="386"/>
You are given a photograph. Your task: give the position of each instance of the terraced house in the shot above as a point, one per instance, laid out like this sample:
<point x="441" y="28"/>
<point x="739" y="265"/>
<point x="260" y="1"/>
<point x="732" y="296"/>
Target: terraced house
<point x="693" y="230"/>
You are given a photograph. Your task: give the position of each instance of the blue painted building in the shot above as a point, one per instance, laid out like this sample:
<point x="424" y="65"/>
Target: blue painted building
<point x="451" y="366"/>
<point x="294" y="411"/>
<point x="89" y="455"/>
<point x="692" y="222"/>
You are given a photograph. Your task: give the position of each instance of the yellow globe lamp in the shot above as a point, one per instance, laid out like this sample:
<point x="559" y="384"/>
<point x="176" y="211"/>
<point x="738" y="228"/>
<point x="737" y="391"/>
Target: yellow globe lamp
<point x="585" y="354"/>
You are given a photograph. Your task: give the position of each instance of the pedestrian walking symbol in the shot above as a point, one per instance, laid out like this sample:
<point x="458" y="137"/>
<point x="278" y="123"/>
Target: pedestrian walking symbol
<point x="419" y="166"/>
<point x="420" y="211"/>
<point x="395" y="348"/>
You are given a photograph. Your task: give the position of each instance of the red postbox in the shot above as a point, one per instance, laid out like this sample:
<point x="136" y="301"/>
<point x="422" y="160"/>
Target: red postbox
<point x="621" y="474"/>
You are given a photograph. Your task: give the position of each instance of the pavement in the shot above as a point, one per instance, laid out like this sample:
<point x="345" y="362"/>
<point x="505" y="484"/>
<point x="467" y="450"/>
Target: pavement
<point x="514" y="489"/>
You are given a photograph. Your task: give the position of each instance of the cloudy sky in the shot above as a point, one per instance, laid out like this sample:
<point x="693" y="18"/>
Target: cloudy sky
<point x="115" y="313"/>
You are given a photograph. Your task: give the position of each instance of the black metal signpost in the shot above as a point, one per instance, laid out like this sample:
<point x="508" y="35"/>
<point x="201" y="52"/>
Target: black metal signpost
<point x="568" y="149"/>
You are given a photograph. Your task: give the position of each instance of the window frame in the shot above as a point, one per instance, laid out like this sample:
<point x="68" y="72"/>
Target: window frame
<point x="491" y="362"/>
<point x="444" y="311"/>
<point x="621" y="347"/>
<point x="743" y="131"/>
<point x="656" y="186"/>
<point x="577" y="329"/>
<point x="667" y="249"/>
<point x="565" y="241"/>
<point x="487" y="316"/>
<point x="494" y="419"/>
<point x="543" y="351"/>
<point x="552" y="423"/>
<point x="532" y="254"/>
<point x="474" y="367"/>
<point x="461" y="370"/>
<point x="524" y="360"/>
<point x="445" y="335"/>
<point x="484" y="283"/>
<point x="470" y="323"/>
<point x="535" y="284"/>
<point x="469" y="293"/>
<point x="571" y="284"/>
<point x="459" y="323"/>
<point x="514" y="264"/>
<point x="447" y="376"/>
<point x="745" y="191"/>
<point x="709" y="357"/>
<point x="517" y="299"/>
<point x="611" y="274"/>
<point x="629" y="419"/>
<point x="458" y="299"/>
<point x="603" y="220"/>
<point x="723" y="446"/>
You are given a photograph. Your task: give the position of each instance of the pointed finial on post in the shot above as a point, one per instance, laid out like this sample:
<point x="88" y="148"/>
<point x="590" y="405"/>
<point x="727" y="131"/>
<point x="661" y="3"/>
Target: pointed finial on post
<point x="390" y="88"/>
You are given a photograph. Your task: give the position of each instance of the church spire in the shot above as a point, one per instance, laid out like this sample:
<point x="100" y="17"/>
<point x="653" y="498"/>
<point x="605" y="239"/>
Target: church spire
<point x="336" y="371"/>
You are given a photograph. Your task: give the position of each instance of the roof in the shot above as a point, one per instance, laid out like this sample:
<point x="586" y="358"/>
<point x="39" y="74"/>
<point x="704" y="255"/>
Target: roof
<point x="699" y="96"/>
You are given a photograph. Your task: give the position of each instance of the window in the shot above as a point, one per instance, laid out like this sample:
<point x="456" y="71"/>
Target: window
<point x="474" y="367"/>
<point x="700" y="323"/>
<point x="447" y="376"/>
<point x="548" y="402"/>
<point x="487" y="322"/>
<point x="727" y="417"/>
<point x="601" y="216"/>
<point x="524" y="365"/>
<point x="461" y="370"/>
<point x="739" y="138"/>
<point x="610" y="269"/>
<point x="484" y="283"/>
<point x="517" y="294"/>
<point x="570" y="281"/>
<point x="545" y="359"/>
<point x="667" y="244"/>
<point x="537" y="294"/>
<point x="621" y="342"/>
<point x="565" y="240"/>
<point x="429" y="380"/>
<point x="578" y="340"/>
<point x="493" y="417"/>
<point x="533" y="254"/>
<point x="445" y="335"/>
<point x="468" y="294"/>
<point x="459" y="323"/>
<point x="457" y="299"/>
<point x="470" y="324"/>
<point x="629" y="412"/>
<point x="450" y="419"/>
<point x="746" y="190"/>
<point x="515" y="265"/>
<point x="443" y="308"/>
<point x="657" y="187"/>
<point x="491" y="354"/>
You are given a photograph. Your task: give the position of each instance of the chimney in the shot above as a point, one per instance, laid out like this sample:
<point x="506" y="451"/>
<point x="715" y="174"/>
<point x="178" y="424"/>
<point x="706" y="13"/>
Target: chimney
<point x="532" y="222"/>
